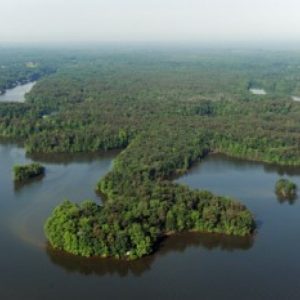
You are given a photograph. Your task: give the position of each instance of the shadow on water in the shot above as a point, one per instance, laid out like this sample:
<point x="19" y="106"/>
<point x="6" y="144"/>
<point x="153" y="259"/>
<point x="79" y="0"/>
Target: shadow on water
<point x="244" y="165"/>
<point x="5" y="141"/>
<point x="282" y="170"/>
<point x="19" y="185"/>
<point x="177" y="243"/>
<point x="68" y="158"/>
<point x="289" y="200"/>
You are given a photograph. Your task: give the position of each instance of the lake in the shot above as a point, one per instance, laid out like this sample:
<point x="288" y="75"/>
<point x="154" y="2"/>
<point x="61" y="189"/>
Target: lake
<point x="187" y="266"/>
<point x="17" y="94"/>
<point x="295" y="98"/>
<point x="257" y="91"/>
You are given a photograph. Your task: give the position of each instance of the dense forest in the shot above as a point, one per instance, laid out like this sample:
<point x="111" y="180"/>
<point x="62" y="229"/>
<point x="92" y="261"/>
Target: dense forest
<point x="166" y="110"/>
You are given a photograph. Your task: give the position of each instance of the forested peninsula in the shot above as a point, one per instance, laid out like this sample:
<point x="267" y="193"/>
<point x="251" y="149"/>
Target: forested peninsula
<point x="166" y="111"/>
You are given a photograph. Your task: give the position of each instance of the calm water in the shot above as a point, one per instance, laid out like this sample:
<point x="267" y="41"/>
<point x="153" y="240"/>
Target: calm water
<point x="258" y="91"/>
<point x="188" y="266"/>
<point x="17" y="94"/>
<point x="295" y="98"/>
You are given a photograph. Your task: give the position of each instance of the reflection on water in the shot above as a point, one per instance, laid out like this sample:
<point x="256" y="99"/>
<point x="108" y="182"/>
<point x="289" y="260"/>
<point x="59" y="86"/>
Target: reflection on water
<point x="18" y="185"/>
<point x="177" y="243"/>
<point x="290" y="200"/>
<point x="67" y="158"/>
<point x="281" y="170"/>
<point x="220" y="161"/>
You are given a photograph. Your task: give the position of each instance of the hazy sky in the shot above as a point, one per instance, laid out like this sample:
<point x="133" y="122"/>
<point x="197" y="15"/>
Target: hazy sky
<point x="149" y="20"/>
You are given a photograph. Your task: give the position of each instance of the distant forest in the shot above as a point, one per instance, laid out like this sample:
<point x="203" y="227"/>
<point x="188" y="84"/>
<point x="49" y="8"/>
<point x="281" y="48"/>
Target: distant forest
<point x="166" y="110"/>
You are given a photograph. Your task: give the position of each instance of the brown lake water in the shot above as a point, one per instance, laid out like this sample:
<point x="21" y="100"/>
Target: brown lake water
<point x="187" y="266"/>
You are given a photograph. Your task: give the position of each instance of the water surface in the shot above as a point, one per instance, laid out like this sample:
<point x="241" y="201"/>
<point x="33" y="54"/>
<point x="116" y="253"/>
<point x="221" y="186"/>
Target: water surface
<point x="257" y="91"/>
<point x="17" y="94"/>
<point x="187" y="266"/>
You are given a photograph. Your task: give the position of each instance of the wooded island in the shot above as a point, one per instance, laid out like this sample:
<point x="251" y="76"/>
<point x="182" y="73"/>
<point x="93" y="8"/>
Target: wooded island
<point x="23" y="173"/>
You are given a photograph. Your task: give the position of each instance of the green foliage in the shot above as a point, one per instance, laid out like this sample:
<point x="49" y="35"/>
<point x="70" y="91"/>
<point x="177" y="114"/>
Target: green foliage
<point x="166" y="111"/>
<point x="131" y="230"/>
<point x="88" y="229"/>
<point x="25" y="172"/>
<point x="285" y="189"/>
